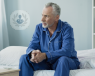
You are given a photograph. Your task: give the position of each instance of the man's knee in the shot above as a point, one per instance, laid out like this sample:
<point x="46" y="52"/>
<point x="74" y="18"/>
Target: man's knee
<point x="63" y="60"/>
<point x="67" y="62"/>
<point x="23" y="57"/>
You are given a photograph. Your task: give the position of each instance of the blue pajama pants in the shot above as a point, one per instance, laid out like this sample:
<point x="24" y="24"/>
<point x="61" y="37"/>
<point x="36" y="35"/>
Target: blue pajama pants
<point x="62" y="66"/>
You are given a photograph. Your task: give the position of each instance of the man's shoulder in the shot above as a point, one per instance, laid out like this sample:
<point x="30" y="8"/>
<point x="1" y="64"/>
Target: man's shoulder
<point x="39" y="25"/>
<point x="66" y="25"/>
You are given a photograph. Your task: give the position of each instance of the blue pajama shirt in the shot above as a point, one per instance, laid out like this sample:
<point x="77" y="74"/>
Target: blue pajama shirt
<point x="58" y="48"/>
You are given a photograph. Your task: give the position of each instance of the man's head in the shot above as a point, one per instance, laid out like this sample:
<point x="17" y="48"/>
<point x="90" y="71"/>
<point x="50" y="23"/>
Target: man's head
<point x="50" y="14"/>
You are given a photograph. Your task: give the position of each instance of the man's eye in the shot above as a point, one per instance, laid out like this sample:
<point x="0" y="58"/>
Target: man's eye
<point x="46" y="16"/>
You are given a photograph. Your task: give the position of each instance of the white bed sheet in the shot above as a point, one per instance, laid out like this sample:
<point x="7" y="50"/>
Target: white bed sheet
<point x="79" y="72"/>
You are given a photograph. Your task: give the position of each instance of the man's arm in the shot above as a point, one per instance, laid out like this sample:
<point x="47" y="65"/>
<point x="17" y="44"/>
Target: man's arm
<point x="34" y="48"/>
<point x="34" y="43"/>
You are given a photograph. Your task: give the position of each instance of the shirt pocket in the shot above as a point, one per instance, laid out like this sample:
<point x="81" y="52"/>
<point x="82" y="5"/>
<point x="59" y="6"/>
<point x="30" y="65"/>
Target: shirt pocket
<point x="57" y="44"/>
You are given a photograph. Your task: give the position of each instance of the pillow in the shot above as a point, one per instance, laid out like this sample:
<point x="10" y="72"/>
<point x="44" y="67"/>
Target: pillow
<point x="85" y="64"/>
<point x="85" y="57"/>
<point x="92" y="63"/>
<point x="10" y="56"/>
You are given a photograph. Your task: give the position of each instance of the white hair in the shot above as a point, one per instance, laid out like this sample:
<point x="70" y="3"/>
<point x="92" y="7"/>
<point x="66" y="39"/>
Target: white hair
<point x="56" y="8"/>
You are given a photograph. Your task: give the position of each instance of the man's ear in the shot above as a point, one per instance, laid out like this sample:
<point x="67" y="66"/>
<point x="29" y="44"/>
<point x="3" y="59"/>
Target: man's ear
<point x="57" y="18"/>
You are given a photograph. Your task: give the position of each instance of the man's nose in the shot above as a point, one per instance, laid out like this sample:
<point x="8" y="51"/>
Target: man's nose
<point x="43" y="19"/>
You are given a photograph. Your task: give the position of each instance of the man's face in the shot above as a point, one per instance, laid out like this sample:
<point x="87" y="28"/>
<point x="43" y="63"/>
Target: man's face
<point x="48" y="18"/>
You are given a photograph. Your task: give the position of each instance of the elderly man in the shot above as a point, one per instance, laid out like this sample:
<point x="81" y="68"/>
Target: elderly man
<point x="52" y="46"/>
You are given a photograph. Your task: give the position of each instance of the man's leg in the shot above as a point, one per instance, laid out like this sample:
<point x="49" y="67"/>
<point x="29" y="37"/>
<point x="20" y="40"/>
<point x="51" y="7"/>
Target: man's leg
<point x="27" y="67"/>
<point x="63" y="65"/>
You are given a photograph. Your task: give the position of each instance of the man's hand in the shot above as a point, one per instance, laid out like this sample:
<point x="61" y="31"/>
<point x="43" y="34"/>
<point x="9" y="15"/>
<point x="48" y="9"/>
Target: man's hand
<point x="33" y="54"/>
<point x="37" y="56"/>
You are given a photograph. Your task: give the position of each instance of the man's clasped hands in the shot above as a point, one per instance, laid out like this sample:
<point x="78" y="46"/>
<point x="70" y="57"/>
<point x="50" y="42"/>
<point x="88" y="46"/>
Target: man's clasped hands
<point x="37" y="56"/>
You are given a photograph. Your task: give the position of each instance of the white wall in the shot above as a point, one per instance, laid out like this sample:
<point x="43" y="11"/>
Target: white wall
<point x="76" y="12"/>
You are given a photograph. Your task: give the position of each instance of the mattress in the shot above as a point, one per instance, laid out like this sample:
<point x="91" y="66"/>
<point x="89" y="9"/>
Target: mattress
<point x="78" y="72"/>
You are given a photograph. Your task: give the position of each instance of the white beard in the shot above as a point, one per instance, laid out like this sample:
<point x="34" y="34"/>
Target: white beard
<point x="46" y="26"/>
